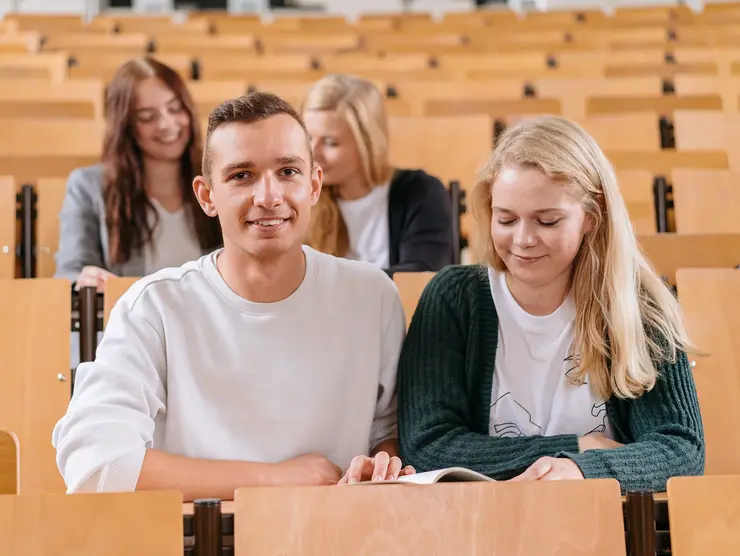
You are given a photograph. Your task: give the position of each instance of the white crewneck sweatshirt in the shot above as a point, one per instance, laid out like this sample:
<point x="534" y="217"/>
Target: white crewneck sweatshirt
<point x="189" y="367"/>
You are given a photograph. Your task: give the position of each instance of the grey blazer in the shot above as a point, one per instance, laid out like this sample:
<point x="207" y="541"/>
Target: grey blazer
<point x="83" y="234"/>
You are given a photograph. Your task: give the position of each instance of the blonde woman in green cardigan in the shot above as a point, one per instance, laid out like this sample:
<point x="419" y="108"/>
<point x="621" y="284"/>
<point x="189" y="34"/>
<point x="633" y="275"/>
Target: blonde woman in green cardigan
<point x="564" y="356"/>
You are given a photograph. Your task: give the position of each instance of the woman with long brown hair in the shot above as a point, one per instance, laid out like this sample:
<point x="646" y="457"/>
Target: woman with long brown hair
<point x="397" y="219"/>
<point x="136" y="213"/>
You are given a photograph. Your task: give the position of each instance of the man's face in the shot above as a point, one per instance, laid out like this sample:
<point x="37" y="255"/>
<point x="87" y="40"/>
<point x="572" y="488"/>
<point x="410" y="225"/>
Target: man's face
<point x="262" y="185"/>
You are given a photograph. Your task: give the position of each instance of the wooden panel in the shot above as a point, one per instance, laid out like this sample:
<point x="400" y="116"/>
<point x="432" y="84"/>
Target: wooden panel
<point x="294" y="43"/>
<point x="90" y="64"/>
<point x="703" y="131"/>
<point x="664" y="105"/>
<point x="410" y="286"/>
<point x="26" y="42"/>
<point x="625" y="132"/>
<point x="505" y="109"/>
<point x="229" y="44"/>
<point x="215" y="66"/>
<point x="41" y="110"/>
<point x="27" y="169"/>
<point x="91" y="525"/>
<point x="34" y="341"/>
<point x="114" y="289"/>
<point x="8" y="240"/>
<point x="209" y="94"/>
<point x="669" y="252"/>
<point x="569" y="517"/>
<point x="362" y="63"/>
<point x="132" y="43"/>
<point x="434" y="145"/>
<point x="8" y="463"/>
<point x="61" y="137"/>
<point x="637" y="190"/>
<point x="50" y="196"/>
<point x="78" y="98"/>
<point x="707" y="201"/>
<point x="705" y="515"/>
<point x="709" y="299"/>
<point x="665" y="161"/>
<point x="51" y="66"/>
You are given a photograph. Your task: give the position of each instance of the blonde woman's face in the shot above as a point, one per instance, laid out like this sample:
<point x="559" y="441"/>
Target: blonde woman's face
<point x="537" y="225"/>
<point x="334" y="147"/>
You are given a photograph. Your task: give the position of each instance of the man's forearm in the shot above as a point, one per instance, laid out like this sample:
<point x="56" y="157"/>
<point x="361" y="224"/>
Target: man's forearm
<point x="201" y="478"/>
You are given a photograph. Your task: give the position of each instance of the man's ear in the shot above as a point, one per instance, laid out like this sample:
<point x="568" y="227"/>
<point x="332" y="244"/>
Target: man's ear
<point x="317" y="178"/>
<point x="204" y="192"/>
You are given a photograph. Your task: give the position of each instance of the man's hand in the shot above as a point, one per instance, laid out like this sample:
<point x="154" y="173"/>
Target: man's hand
<point x="381" y="467"/>
<point x="308" y="470"/>
<point x="93" y="276"/>
<point x="551" y="469"/>
<point x="597" y="441"/>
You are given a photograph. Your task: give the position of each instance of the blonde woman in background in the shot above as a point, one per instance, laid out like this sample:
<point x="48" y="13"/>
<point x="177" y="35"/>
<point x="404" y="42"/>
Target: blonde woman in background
<point x="399" y="220"/>
<point x="564" y="356"/>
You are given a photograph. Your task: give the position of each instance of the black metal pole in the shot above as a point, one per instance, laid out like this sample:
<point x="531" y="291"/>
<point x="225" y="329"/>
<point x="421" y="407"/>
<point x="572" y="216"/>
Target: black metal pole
<point x="207" y="527"/>
<point x="660" y="197"/>
<point x="88" y="323"/>
<point x="456" y="233"/>
<point x="640" y="523"/>
<point x="28" y="236"/>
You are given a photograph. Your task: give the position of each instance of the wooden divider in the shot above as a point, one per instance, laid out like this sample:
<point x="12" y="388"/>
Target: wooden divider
<point x="573" y="517"/>
<point x="114" y="289"/>
<point x="8" y="239"/>
<point x="705" y="515"/>
<point x="8" y="462"/>
<point x="34" y="373"/>
<point x="410" y="287"/>
<point x="50" y="193"/>
<point x="706" y="201"/>
<point x="92" y="525"/>
<point x="710" y="299"/>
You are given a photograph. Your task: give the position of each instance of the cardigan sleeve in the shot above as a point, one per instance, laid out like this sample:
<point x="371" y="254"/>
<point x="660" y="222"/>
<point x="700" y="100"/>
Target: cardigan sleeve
<point x="667" y="432"/>
<point x="437" y="384"/>
<point x="425" y="241"/>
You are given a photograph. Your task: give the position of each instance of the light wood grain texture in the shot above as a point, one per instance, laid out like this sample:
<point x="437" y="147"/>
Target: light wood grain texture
<point x="57" y="137"/>
<point x="637" y="189"/>
<point x="498" y="109"/>
<point x="709" y="299"/>
<point x="707" y="201"/>
<point x="625" y="132"/>
<point x="705" y="515"/>
<point x="114" y="289"/>
<point x="82" y="98"/>
<point x="140" y="523"/>
<point x="669" y="252"/>
<point x="34" y="342"/>
<point x="8" y="207"/>
<point x="574" y="518"/>
<point x="8" y="463"/>
<point x="50" y="194"/>
<point x="410" y="286"/>
<point x="709" y="130"/>
<point x="51" y="66"/>
<point x="663" y="104"/>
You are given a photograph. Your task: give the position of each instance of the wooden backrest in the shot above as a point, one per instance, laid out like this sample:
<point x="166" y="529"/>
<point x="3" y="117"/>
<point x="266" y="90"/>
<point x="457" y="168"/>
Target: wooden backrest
<point x="103" y="64"/>
<point x="705" y="515"/>
<point x="39" y="98"/>
<point x="709" y="131"/>
<point x="215" y="66"/>
<point x="637" y="189"/>
<point x="9" y="462"/>
<point x="498" y="109"/>
<point x="35" y="148"/>
<point x="410" y="286"/>
<point x="132" y="44"/>
<point x="709" y="299"/>
<point x="706" y="201"/>
<point x="24" y="42"/>
<point x="49" y="199"/>
<point x="665" y="105"/>
<point x="434" y="144"/>
<point x="625" y="132"/>
<point x="8" y="240"/>
<point x="188" y="44"/>
<point x="209" y="94"/>
<point x="52" y="66"/>
<point x="118" y="524"/>
<point x="669" y="252"/>
<point x="573" y="517"/>
<point x="114" y="289"/>
<point x="34" y="372"/>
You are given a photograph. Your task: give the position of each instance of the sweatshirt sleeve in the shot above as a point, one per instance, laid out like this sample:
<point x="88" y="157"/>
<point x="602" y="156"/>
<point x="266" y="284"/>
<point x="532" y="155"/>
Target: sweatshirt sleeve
<point x="385" y="423"/>
<point x="441" y="377"/>
<point x="109" y="424"/>
<point x="667" y="435"/>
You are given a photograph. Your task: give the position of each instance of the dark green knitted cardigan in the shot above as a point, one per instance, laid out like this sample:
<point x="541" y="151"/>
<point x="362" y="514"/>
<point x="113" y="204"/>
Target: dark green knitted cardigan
<point x="444" y="396"/>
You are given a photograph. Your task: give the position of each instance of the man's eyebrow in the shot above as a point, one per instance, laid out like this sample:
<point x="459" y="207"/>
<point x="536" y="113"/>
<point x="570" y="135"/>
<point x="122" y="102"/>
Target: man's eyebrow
<point x="290" y="160"/>
<point x="243" y="165"/>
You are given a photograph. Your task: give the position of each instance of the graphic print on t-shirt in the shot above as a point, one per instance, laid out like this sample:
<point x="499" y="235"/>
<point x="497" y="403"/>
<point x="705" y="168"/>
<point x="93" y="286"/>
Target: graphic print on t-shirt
<point x="599" y="410"/>
<point x="521" y="418"/>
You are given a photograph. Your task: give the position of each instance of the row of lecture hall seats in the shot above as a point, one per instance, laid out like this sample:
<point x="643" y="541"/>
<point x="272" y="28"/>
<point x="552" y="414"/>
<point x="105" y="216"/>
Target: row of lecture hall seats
<point x="659" y="88"/>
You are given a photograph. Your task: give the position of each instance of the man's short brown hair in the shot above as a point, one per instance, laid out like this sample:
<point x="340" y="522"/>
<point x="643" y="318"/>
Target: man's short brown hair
<point x="247" y="109"/>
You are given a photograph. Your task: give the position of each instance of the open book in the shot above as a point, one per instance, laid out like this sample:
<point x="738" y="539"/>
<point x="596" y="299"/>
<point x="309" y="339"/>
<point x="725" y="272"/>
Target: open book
<point x="448" y="475"/>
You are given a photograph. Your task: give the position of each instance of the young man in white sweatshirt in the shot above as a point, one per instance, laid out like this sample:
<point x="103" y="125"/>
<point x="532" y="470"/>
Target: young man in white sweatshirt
<point x="264" y="363"/>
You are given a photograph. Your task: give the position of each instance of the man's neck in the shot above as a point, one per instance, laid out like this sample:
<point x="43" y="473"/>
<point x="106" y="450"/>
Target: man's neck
<point x="262" y="281"/>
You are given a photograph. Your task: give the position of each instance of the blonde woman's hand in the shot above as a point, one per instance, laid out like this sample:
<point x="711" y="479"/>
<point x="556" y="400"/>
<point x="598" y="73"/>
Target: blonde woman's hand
<point x="381" y="467"/>
<point x="551" y="469"/>
<point x="93" y="276"/>
<point x="597" y="441"/>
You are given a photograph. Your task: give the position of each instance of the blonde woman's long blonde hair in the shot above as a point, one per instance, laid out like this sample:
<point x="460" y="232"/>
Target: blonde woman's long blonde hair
<point x="626" y="317"/>
<point x="361" y="105"/>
